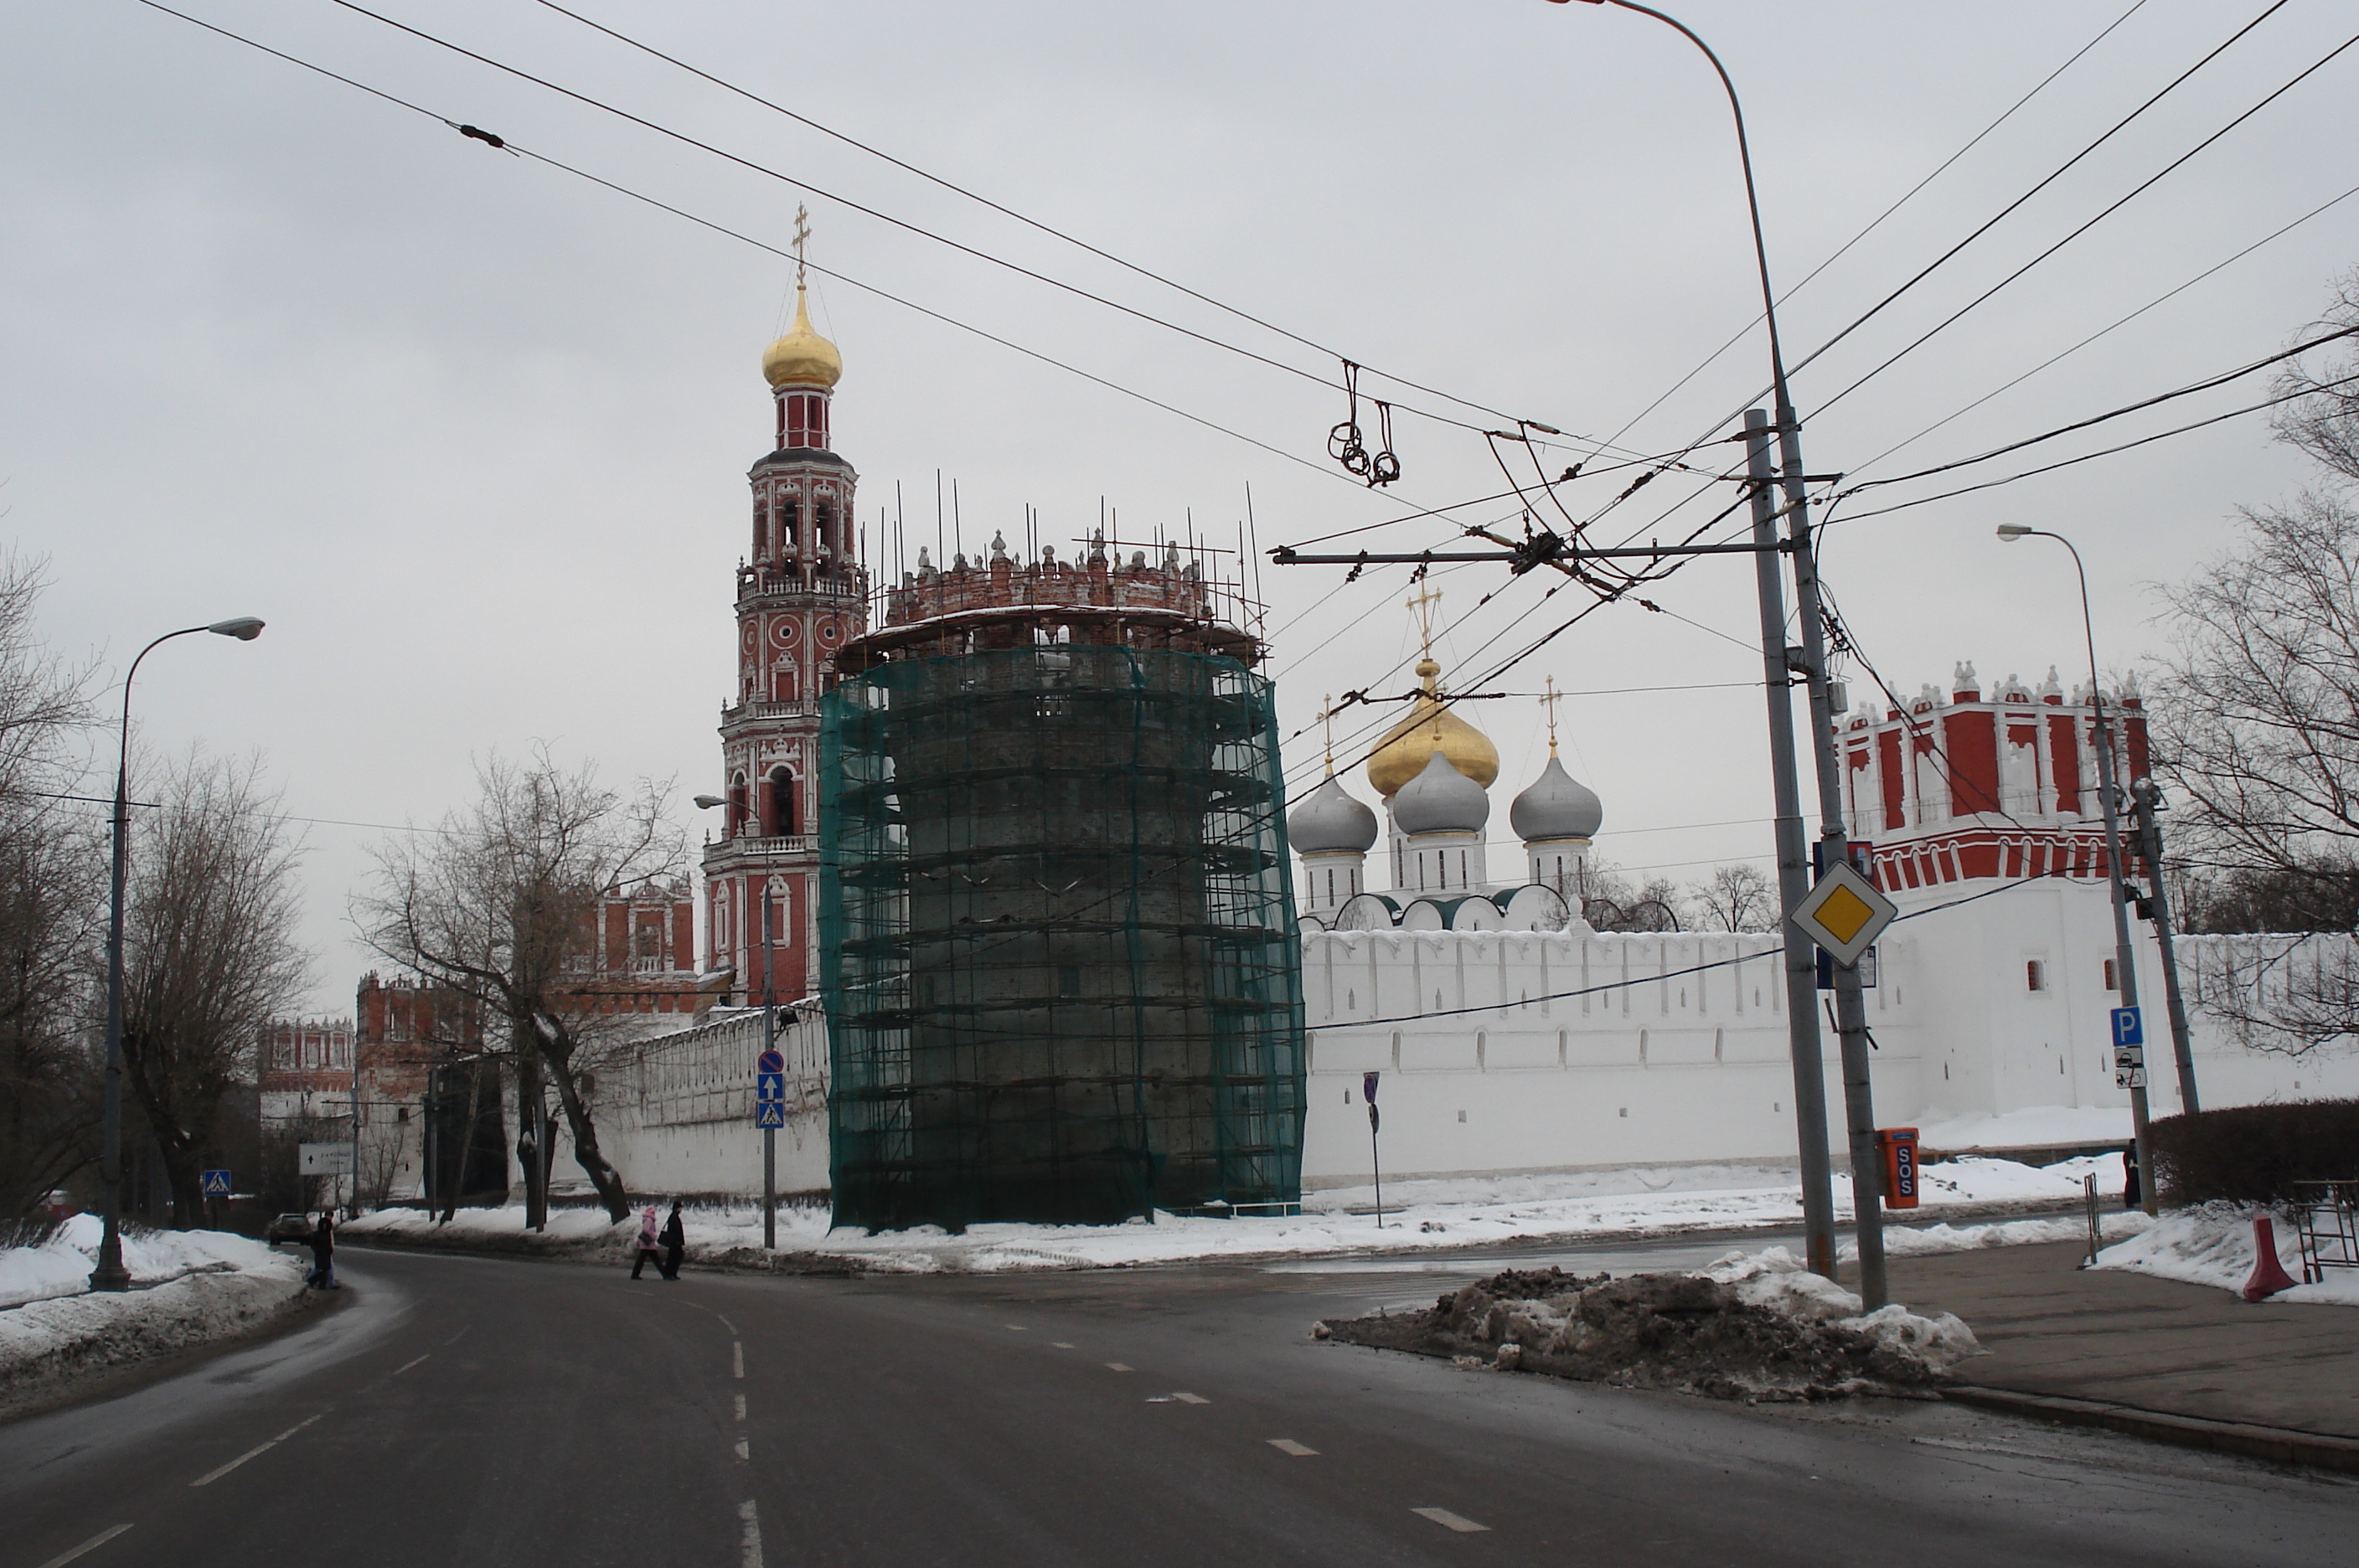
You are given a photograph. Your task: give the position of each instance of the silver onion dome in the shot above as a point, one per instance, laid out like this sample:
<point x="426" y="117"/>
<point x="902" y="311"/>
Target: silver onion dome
<point x="1441" y="800"/>
<point x="1557" y="806"/>
<point x="1330" y="820"/>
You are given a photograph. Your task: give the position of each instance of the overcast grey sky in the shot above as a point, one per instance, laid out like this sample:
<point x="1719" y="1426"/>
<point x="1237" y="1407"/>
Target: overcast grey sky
<point x="470" y="433"/>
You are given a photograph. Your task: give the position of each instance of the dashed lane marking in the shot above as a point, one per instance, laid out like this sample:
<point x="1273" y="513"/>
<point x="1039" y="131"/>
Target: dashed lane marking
<point x="749" y="1540"/>
<point x="407" y="1365"/>
<point x="210" y="1476"/>
<point x="100" y="1539"/>
<point x="1016" y="1328"/>
<point x="1186" y="1398"/>
<point x="726" y="1323"/>
<point x="741" y="1407"/>
<point x="1287" y="1445"/>
<point x="456" y="1337"/>
<point x="1059" y="1344"/>
<point x="744" y="1449"/>
<point x="1116" y="1366"/>
<point x="738" y="1359"/>
<point x="1449" y="1520"/>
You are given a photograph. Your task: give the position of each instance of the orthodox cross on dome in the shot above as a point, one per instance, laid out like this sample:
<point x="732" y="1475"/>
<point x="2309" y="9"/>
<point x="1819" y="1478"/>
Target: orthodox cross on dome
<point x="1421" y="604"/>
<point x="1327" y="717"/>
<point x="802" y="238"/>
<point x="1549" y="700"/>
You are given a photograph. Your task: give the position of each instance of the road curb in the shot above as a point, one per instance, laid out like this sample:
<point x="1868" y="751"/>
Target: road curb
<point x="2279" y="1444"/>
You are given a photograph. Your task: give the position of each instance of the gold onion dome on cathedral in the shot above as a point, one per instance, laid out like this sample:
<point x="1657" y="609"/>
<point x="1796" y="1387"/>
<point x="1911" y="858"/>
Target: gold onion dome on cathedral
<point x="1402" y="755"/>
<point x="802" y="357"/>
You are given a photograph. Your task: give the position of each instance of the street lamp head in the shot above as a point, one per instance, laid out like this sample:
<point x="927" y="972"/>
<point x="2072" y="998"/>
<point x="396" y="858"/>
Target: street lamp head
<point x="706" y="802"/>
<point x="246" y="628"/>
<point x="2011" y="533"/>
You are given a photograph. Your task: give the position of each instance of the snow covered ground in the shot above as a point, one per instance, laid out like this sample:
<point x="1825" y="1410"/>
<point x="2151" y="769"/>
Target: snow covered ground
<point x="193" y="1286"/>
<point x="60" y="1265"/>
<point x="1456" y="1214"/>
<point x="2039" y="1127"/>
<point x="2213" y="1244"/>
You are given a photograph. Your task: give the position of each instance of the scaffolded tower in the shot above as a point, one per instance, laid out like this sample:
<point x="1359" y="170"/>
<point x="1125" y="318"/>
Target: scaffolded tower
<point x="1057" y="939"/>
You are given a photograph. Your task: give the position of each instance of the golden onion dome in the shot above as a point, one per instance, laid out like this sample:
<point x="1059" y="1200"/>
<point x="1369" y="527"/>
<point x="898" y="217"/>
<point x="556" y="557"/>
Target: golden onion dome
<point x="802" y="357"/>
<point x="1402" y="755"/>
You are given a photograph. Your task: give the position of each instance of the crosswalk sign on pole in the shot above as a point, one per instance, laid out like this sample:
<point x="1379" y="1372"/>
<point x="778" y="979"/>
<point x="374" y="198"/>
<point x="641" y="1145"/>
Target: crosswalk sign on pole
<point x="214" y="1184"/>
<point x="770" y="1114"/>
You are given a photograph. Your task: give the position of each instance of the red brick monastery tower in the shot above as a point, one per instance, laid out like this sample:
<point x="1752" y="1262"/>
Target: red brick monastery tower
<point x="803" y="593"/>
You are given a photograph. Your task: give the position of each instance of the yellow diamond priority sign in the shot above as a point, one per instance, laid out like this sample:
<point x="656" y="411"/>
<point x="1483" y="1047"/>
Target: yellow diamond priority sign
<point x="1843" y="914"/>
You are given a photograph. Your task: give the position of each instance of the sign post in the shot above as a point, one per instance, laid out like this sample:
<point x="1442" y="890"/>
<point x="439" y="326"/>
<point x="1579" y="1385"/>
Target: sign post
<point x="2129" y="1048"/>
<point x="214" y="1185"/>
<point x="1845" y="914"/>
<point x="1368" y="1090"/>
<point x="769" y="1115"/>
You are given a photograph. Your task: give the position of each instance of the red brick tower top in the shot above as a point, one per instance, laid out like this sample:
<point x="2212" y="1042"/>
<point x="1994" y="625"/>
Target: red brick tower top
<point x="801" y="596"/>
<point x="1967" y="784"/>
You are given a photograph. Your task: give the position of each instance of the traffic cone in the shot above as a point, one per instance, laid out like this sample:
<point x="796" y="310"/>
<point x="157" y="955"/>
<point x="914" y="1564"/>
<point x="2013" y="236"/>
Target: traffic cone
<point x="2268" y="1275"/>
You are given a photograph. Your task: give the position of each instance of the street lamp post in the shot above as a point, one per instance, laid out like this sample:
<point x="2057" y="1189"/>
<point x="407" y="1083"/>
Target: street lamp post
<point x="109" y="1274"/>
<point x="2125" y="965"/>
<point x="1810" y="661"/>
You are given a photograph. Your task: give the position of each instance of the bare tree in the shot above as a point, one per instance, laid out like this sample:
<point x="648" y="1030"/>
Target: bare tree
<point x="499" y="904"/>
<point x="1612" y="901"/>
<point x="2256" y="724"/>
<point x="210" y="953"/>
<point x="1738" y="897"/>
<point x="52" y="877"/>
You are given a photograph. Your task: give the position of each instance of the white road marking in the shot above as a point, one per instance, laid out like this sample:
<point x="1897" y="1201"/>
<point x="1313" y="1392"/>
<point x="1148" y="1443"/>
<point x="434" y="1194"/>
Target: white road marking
<point x="741" y="1407"/>
<point x="407" y="1365"/>
<point x="456" y="1337"/>
<point x="100" y="1539"/>
<point x="726" y="1323"/>
<point x="749" y="1548"/>
<point x="1016" y="1328"/>
<point x="1186" y="1399"/>
<point x="1287" y="1445"/>
<point x="1059" y="1345"/>
<point x="1116" y="1366"/>
<point x="737" y="1357"/>
<point x="744" y="1449"/>
<point x="211" y="1475"/>
<point x="1449" y="1520"/>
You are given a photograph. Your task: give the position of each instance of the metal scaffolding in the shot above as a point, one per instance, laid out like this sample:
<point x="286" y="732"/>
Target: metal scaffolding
<point x="1058" y="946"/>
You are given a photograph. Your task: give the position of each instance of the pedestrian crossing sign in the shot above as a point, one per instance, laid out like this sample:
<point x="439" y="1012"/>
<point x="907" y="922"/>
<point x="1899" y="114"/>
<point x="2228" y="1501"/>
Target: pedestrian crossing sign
<point x="770" y="1114"/>
<point x="1845" y="914"/>
<point x="214" y="1184"/>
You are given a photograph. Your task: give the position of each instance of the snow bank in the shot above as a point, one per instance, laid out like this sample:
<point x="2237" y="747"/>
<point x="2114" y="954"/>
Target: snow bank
<point x="2213" y="1244"/>
<point x="2034" y="1126"/>
<point x="2111" y="1227"/>
<point x="1458" y="1212"/>
<point x="1774" y="1277"/>
<point x="45" y="1345"/>
<point x="60" y="1265"/>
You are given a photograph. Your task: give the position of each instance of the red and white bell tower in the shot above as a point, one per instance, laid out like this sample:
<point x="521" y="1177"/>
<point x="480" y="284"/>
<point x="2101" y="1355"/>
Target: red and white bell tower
<point x="803" y="593"/>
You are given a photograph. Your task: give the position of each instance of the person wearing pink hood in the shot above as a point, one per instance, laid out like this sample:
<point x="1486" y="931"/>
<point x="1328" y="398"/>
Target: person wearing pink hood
<point x="649" y="1249"/>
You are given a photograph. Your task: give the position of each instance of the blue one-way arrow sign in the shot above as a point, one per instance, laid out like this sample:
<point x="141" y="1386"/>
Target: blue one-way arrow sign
<point x="770" y="1114"/>
<point x="769" y="1085"/>
<point x="214" y="1184"/>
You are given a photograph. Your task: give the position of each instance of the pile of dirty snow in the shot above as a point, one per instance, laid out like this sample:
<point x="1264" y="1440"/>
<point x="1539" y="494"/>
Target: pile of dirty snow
<point x="225" y="1286"/>
<point x="1752" y="1326"/>
<point x="2212" y="1244"/>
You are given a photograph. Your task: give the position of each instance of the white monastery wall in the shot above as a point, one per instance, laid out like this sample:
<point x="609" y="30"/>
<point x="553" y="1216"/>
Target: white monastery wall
<point x="676" y="1111"/>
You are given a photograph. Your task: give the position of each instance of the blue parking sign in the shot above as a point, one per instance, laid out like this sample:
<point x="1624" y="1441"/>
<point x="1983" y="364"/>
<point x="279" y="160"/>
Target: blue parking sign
<point x="2128" y="1028"/>
<point x="770" y="1114"/>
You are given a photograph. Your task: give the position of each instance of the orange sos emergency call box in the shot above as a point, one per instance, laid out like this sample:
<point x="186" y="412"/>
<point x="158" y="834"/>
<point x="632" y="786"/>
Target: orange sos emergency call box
<point x="1898" y="1147"/>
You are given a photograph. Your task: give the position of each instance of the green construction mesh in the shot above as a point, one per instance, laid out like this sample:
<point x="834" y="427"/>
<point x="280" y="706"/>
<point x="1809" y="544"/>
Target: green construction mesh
<point x="1058" y="948"/>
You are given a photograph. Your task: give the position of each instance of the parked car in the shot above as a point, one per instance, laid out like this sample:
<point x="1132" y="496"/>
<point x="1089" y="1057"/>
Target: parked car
<point x="288" y="1227"/>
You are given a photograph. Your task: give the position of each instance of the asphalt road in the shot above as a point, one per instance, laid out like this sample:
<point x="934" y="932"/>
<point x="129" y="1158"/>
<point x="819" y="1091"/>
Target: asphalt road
<point x="493" y="1412"/>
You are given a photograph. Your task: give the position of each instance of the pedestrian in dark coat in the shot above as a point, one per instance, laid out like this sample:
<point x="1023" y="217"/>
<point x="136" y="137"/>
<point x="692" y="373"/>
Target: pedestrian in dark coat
<point x="649" y="1243"/>
<point x="675" y="1241"/>
<point x="323" y="1252"/>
